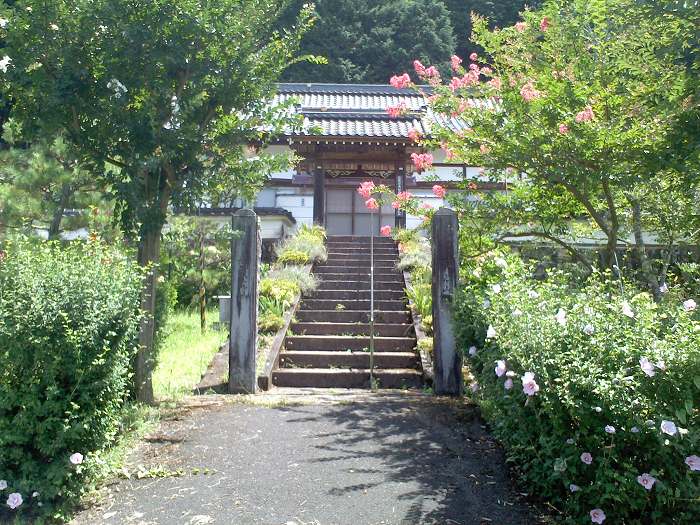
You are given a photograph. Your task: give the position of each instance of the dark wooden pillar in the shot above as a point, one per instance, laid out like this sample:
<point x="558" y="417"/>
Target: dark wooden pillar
<point x="400" y="215"/>
<point x="245" y="261"/>
<point x="447" y="361"/>
<point x="319" y="196"/>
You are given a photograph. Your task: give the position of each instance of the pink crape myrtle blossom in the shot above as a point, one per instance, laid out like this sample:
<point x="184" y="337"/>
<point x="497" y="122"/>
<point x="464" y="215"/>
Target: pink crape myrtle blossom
<point x="372" y="204"/>
<point x="76" y="458"/>
<point x="528" y="92"/>
<point x="396" y="205"/>
<point x="669" y="427"/>
<point x="404" y="196"/>
<point x="693" y="463"/>
<point x="646" y="480"/>
<point x="426" y="206"/>
<point x="413" y="135"/>
<point x="495" y="83"/>
<point x="597" y="516"/>
<point x="473" y="57"/>
<point x="544" y="24"/>
<point x="439" y="191"/>
<point x="422" y="161"/>
<point x="474" y="68"/>
<point x="366" y="189"/>
<point x="385" y="231"/>
<point x="432" y="72"/>
<point x="500" y="368"/>
<point x="455" y="62"/>
<point x="420" y="68"/>
<point x="689" y="305"/>
<point x="520" y="26"/>
<point x="397" y="111"/>
<point x="484" y="149"/>
<point x="647" y="367"/>
<point x="563" y="129"/>
<point x="508" y="384"/>
<point x="530" y="386"/>
<point x="400" y="81"/>
<point x="586" y="115"/>
<point x="14" y="500"/>
<point x="586" y="458"/>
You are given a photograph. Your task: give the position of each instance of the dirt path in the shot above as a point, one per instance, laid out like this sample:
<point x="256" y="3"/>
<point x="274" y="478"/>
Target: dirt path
<point x="331" y="459"/>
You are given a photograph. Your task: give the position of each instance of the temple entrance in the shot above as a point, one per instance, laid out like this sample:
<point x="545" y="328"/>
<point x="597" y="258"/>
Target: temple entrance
<point x="346" y="214"/>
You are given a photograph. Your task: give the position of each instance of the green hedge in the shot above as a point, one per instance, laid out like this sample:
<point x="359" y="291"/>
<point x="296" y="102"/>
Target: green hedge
<point x="609" y="366"/>
<point x="68" y="322"/>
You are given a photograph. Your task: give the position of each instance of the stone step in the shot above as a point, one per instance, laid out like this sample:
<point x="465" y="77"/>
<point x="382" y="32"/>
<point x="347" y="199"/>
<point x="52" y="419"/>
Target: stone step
<point x="350" y="304"/>
<point x="383" y="330"/>
<point x="341" y="295"/>
<point x="394" y="278"/>
<point x="343" y="343"/>
<point x="357" y="284"/>
<point x="341" y="378"/>
<point x="297" y="359"/>
<point x="354" y="239"/>
<point x="346" y="268"/>
<point x="378" y="254"/>
<point x="352" y="316"/>
<point x="359" y="263"/>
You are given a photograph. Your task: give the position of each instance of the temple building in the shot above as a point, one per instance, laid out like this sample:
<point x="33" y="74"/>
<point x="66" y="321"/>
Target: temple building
<point x="348" y="137"/>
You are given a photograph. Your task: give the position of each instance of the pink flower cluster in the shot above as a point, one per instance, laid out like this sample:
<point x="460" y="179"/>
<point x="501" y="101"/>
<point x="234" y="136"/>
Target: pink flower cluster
<point x="413" y="135"/>
<point x="439" y="191"/>
<point x="544" y="24"/>
<point x="469" y="79"/>
<point x="563" y="129"/>
<point x="372" y="204"/>
<point x="495" y="83"/>
<point x="400" y="81"/>
<point x="586" y="115"/>
<point x="528" y="92"/>
<point x="385" y="231"/>
<point x="455" y="62"/>
<point x="397" y="111"/>
<point x="366" y="189"/>
<point x="422" y="161"/>
<point x="520" y="26"/>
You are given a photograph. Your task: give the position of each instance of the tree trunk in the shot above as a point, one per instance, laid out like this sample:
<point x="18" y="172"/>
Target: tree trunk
<point x="148" y="256"/>
<point x="157" y="197"/>
<point x="640" y="253"/>
<point x="55" y="226"/>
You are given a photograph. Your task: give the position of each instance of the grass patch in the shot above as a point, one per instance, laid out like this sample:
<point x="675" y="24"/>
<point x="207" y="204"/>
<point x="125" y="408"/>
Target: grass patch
<point x="185" y="354"/>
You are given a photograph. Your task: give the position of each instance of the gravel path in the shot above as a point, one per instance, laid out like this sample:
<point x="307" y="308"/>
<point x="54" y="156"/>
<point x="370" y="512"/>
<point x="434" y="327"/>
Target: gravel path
<point x="347" y="458"/>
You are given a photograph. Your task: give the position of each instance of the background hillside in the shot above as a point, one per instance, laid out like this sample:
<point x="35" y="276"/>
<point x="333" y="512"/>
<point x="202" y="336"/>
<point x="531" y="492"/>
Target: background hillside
<point x="367" y="41"/>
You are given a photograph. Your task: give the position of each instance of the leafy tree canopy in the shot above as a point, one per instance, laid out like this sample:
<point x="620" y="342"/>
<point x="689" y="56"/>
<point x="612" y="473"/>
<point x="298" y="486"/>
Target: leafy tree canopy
<point x="160" y="98"/>
<point x="366" y="41"/>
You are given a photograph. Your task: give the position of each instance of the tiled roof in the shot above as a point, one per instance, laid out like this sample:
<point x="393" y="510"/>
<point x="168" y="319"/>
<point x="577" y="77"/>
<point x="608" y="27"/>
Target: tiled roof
<point x="360" y="110"/>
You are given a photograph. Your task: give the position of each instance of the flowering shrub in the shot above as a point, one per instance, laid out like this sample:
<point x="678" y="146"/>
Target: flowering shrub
<point x="68" y="321"/>
<point x="593" y="390"/>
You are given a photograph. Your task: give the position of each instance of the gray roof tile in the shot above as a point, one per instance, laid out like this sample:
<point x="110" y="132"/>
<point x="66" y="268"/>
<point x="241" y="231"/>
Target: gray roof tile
<point x="359" y="110"/>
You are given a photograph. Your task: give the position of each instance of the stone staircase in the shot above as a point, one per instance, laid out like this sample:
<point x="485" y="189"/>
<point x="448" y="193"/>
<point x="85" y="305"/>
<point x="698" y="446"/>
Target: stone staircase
<point x="329" y="341"/>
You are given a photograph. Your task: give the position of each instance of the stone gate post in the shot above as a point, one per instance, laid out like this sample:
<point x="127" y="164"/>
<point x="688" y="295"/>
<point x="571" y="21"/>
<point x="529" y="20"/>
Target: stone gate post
<point x="447" y="361"/>
<point x="245" y="262"/>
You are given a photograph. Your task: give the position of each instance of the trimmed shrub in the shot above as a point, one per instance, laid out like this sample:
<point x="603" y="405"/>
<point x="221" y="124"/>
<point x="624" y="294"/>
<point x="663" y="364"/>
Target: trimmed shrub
<point x="68" y="324"/>
<point x="565" y="370"/>
<point x="292" y="256"/>
<point x="306" y="281"/>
